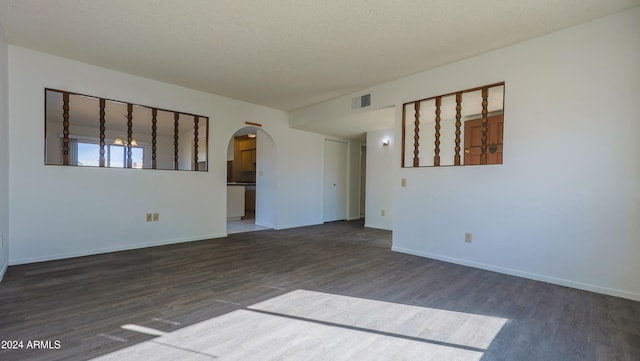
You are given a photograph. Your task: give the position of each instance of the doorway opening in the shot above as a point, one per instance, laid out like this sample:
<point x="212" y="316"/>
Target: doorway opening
<point x="363" y="180"/>
<point x="335" y="202"/>
<point x="250" y="181"/>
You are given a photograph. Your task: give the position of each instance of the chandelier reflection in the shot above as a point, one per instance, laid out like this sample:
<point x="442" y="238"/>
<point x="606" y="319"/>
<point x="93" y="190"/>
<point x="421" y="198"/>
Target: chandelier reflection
<point x="119" y="141"/>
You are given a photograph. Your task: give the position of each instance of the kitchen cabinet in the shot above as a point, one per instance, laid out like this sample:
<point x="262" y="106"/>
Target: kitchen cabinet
<point x="235" y="202"/>
<point x="248" y="158"/>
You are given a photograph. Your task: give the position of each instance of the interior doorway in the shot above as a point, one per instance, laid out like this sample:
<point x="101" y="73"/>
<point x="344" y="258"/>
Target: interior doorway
<point x="335" y="180"/>
<point x="363" y="180"/>
<point x="473" y="140"/>
<point x="250" y="181"/>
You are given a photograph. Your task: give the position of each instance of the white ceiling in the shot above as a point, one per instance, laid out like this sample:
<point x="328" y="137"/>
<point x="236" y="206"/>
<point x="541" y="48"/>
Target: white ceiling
<point x="285" y="54"/>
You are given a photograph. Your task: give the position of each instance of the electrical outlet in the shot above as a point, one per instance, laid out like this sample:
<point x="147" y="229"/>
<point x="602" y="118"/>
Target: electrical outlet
<point x="149" y="217"/>
<point x="156" y="217"/>
<point x="382" y="212"/>
<point x="403" y="182"/>
<point x="468" y="237"/>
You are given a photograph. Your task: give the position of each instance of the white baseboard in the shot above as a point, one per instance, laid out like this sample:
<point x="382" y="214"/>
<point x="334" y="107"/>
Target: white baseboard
<point x="64" y="255"/>
<point x="518" y="273"/>
<point x="377" y="226"/>
<point x="290" y="226"/>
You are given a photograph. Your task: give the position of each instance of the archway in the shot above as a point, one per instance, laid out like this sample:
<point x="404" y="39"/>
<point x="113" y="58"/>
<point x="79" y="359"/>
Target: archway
<point x="251" y="181"/>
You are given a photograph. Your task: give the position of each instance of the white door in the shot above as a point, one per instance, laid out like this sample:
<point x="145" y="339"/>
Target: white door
<point x="335" y="180"/>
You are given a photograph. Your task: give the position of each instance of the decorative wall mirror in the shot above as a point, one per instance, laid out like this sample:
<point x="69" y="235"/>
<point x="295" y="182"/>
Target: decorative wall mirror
<point x="87" y="131"/>
<point x="461" y="128"/>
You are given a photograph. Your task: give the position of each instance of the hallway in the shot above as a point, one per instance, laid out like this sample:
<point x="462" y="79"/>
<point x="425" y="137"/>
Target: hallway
<point x="246" y="224"/>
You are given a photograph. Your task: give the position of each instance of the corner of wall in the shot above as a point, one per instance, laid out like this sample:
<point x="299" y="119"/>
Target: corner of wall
<point x="379" y="179"/>
<point x="4" y="151"/>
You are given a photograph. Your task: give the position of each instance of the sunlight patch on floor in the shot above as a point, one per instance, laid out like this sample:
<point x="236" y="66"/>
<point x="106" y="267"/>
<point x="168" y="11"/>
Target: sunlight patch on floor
<point x="313" y="325"/>
<point x="145" y="330"/>
<point x="459" y="328"/>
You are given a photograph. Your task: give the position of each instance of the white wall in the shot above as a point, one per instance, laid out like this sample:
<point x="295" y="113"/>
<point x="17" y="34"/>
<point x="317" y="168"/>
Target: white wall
<point x="564" y="207"/>
<point x="59" y="212"/>
<point x="266" y="180"/>
<point x="381" y="162"/>
<point x="300" y="169"/>
<point x="4" y="155"/>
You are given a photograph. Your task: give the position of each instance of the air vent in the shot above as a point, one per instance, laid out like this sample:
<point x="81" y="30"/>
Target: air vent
<point x="365" y="101"/>
<point x="361" y="102"/>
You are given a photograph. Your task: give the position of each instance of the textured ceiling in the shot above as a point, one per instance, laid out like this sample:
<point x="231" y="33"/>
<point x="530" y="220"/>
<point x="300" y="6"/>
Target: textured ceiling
<point x="285" y="54"/>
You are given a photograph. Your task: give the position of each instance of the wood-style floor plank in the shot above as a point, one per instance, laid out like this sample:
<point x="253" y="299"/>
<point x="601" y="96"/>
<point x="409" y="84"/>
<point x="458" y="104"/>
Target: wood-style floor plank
<point x="327" y="292"/>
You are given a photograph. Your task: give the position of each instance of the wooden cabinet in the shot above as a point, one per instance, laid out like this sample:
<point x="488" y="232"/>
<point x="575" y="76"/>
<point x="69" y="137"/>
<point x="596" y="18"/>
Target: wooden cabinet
<point x="244" y="160"/>
<point x="248" y="158"/>
<point x="250" y="198"/>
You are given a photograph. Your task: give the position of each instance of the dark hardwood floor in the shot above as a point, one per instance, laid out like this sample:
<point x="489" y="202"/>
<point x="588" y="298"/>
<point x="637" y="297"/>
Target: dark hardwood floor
<point x="83" y="302"/>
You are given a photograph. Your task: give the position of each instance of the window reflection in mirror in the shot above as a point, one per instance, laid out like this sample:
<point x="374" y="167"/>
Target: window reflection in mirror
<point x="130" y="137"/>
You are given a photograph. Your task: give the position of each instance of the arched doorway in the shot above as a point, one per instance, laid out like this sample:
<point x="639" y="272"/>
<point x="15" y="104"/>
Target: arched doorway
<point x="251" y="181"/>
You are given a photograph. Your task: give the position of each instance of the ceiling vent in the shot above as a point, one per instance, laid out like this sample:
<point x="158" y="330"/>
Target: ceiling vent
<point x="361" y="102"/>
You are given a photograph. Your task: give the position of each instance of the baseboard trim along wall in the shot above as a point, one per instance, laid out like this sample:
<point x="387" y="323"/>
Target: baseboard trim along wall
<point x="532" y="276"/>
<point x="290" y="226"/>
<point x="376" y="226"/>
<point x="13" y="262"/>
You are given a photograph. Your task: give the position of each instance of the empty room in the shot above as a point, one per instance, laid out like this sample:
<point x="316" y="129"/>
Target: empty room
<point x="319" y="180"/>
